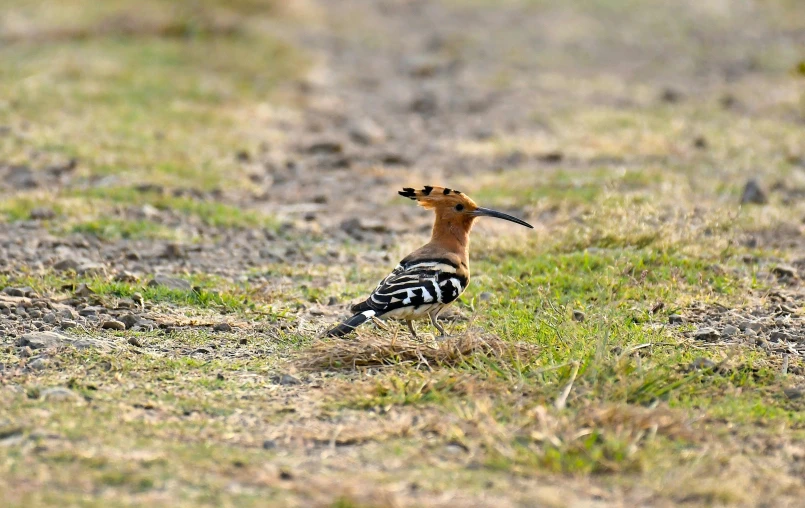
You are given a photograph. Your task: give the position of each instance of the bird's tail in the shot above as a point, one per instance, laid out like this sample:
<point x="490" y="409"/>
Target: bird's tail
<point x="350" y="324"/>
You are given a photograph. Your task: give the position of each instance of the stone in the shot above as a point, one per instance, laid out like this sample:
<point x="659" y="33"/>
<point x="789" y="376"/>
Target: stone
<point x="222" y="327"/>
<point x="287" y="380"/>
<point x="49" y="318"/>
<point x="66" y="264"/>
<point x="485" y="296"/>
<point x="170" y="283"/>
<point x="146" y="324"/>
<point x="65" y="314"/>
<point x="113" y="324"/>
<point x="21" y="177"/>
<point x="783" y="271"/>
<point x="753" y="193"/>
<point x="58" y="393"/>
<point x="670" y="95"/>
<point x="42" y="213"/>
<point x="702" y="363"/>
<point x="38" y="364"/>
<point x="325" y="147"/>
<point x="16" y="292"/>
<point x="778" y="336"/>
<point x="90" y="268"/>
<point x="578" y="316"/>
<point x="675" y="319"/>
<point x="173" y="251"/>
<point x="129" y="320"/>
<point x="750" y="325"/>
<point x="424" y="104"/>
<point x="134" y="341"/>
<point x="126" y="276"/>
<point x="706" y="334"/>
<point x="87" y="344"/>
<point x="729" y="331"/>
<point x="43" y="340"/>
<point x="89" y="311"/>
<point x="366" y="132"/>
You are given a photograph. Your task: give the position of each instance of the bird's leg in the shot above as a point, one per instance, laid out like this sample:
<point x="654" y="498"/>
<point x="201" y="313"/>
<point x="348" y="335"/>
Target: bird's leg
<point x="434" y="320"/>
<point x="411" y="327"/>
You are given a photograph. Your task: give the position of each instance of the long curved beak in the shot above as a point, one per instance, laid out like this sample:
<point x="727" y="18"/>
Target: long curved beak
<point x="486" y="212"/>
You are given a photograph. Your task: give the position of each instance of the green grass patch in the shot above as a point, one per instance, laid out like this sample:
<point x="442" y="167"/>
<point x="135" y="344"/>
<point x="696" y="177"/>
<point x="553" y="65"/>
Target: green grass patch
<point x="207" y="291"/>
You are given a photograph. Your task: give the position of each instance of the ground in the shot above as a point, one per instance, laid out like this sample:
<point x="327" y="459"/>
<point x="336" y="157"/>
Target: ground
<point x="195" y="190"/>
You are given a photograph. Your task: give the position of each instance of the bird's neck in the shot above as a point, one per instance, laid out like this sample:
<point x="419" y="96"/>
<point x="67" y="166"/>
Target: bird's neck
<point x="453" y="235"/>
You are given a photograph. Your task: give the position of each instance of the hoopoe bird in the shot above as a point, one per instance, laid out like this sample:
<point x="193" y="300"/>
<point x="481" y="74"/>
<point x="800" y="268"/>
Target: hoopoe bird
<point x="433" y="276"/>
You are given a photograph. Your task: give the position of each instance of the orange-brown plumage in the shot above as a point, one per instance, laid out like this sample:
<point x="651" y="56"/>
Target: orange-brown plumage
<point x="433" y="276"/>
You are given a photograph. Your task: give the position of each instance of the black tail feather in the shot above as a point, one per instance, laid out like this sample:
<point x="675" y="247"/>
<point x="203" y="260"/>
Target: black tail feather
<point x="350" y="324"/>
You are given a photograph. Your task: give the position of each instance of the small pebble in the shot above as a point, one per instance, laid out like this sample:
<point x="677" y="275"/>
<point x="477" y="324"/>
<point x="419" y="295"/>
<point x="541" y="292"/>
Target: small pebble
<point x="134" y="341"/>
<point x="778" y="336"/>
<point x="38" y="364"/>
<point x="675" y="319"/>
<point x="784" y="271"/>
<point x="113" y="324"/>
<point x="66" y="314"/>
<point x="287" y="380"/>
<point x="222" y="327"/>
<point x="706" y="334"/>
<point x="748" y="325"/>
<point x="729" y="331"/>
<point x="67" y="323"/>
<point x="702" y="363"/>
<point x="754" y="193"/>
<point x="578" y="316"/>
<point x="58" y="394"/>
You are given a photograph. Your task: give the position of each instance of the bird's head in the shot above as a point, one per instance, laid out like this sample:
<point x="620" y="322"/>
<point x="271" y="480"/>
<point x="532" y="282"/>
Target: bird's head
<point x="452" y="206"/>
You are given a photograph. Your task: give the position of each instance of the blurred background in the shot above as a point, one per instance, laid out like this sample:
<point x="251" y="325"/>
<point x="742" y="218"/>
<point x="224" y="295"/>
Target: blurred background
<point x="251" y="112"/>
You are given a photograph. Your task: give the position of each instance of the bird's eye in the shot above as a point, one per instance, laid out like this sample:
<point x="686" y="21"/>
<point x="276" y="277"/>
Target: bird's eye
<point x="459" y="207"/>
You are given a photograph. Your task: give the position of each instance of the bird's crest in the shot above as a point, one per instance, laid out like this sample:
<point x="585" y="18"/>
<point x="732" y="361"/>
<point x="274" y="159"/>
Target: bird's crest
<point x="433" y="197"/>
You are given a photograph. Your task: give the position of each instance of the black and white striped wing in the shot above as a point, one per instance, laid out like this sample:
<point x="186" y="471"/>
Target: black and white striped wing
<point x="417" y="284"/>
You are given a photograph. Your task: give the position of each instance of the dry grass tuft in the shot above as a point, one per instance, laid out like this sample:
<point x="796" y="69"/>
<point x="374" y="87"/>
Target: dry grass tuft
<point x="625" y="419"/>
<point x="376" y="351"/>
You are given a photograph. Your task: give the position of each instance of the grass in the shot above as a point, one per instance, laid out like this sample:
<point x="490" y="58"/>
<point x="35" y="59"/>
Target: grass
<point x="150" y="74"/>
<point x="208" y="292"/>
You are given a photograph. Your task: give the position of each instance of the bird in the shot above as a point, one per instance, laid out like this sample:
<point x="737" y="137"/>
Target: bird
<point x="433" y="276"/>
